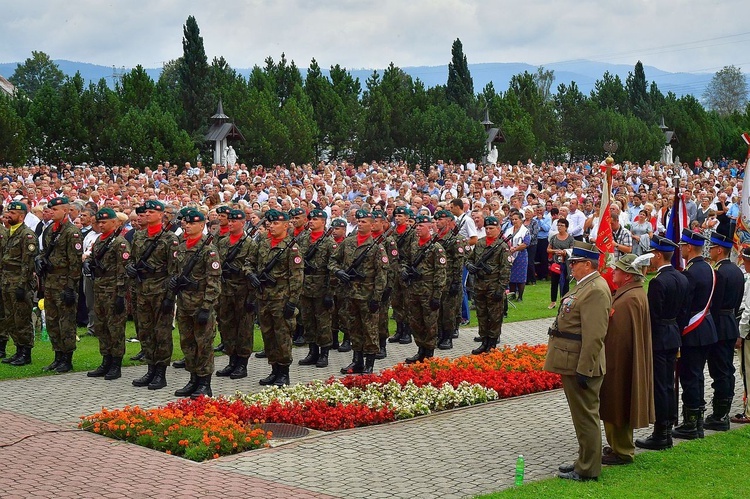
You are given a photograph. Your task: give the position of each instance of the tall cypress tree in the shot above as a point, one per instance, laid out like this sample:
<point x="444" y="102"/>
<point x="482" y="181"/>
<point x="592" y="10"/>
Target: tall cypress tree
<point x="193" y="72"/>
<point x="460" y="87"/>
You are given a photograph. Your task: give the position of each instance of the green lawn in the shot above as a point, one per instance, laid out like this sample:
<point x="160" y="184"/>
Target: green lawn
<point x="715" y="467"/>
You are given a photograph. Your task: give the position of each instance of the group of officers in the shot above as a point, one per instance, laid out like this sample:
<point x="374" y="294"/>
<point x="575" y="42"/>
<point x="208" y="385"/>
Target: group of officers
<point x="692" y="319"/>
<point x="287" y="272"/>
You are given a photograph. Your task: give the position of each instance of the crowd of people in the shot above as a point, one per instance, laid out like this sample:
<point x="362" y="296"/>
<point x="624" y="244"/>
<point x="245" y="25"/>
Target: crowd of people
<point x="318" y="255"/>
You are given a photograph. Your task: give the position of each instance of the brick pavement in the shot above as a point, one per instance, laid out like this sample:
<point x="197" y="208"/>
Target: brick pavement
<point x="457" y="453"/>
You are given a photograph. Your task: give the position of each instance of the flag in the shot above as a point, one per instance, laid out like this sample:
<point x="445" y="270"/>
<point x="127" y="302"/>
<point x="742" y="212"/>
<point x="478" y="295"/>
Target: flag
<point x="742" y="230"/>
<point x="678" y="220"/>
<point x="604" y="238"/>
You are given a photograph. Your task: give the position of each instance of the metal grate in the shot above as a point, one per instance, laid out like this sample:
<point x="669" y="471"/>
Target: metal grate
<point x="285" y="430"/>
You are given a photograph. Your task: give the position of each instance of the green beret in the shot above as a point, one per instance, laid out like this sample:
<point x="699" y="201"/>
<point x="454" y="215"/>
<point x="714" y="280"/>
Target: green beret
<point x="194" y="216"/>
<point x="17" y="205"/>
<point x="421" y="219"/>
<point x="140" y="210"/>
<point x="338" y="222"/>
<point x="491" y="221"/>
<point x="444" y="214"/>
<point x="401" y="210"/>
<point x="276" y="215"/>
<point x="363" y="214"/>
<point x="223" y="209"/>
<point x="105" y="214"/>
<point x="378" y="214"/>
<point x="296" y="212"/>
<point x="236" y="215"/>
<point x="57" y="202"/>
<point x="317" y="213"/>
<point x="153" y="205"/>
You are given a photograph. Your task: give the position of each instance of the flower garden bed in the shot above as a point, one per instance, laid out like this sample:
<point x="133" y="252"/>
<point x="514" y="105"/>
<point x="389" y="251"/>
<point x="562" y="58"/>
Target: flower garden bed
<point x="208" y="428"/>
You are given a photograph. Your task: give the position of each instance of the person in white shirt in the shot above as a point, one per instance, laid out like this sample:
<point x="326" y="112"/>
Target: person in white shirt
<point x="576" y="219"/>
<point x="469" y="231"/>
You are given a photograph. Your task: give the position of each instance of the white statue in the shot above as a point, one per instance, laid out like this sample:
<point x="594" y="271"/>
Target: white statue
<point x="666" y="155"/>
<point x="492" y="156"/>
<point x="231" y="157"/>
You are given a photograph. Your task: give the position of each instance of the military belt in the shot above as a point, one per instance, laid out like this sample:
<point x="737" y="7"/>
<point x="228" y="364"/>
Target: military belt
<point x="563" y="334"/>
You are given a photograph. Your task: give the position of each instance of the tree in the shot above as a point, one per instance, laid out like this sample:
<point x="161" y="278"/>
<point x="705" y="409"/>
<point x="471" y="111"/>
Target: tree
<point x="136" y="88"/>
<point x="35" y="72"/>
<point x="193" y="72"/>
<point x="609" y="93"/>
<point x="635" y="86"/>
<point x="12" y="134"/>
<point x="460" y="86"/>
<point x="727" y="93"/>
<point x="544" y="80"/>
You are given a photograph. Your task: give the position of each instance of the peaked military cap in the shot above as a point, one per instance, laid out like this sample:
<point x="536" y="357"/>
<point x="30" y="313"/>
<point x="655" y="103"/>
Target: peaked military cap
<point x="720" y="240"/>
<point x="661" y="243"/>
<point x="584" y="251"/>
<point x="692" y="238"/>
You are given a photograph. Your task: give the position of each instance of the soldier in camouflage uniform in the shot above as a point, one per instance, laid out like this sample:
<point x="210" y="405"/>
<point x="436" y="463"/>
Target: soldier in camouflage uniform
<point x="365" y="284"/>
<point x="456" y="248"/>
<point x="491" y="273"/>
<point x="19" y="248"/>
<point x="298" y="223"/>
<point x="222" y="213"/>
<point x="404" y="235"/>
<point x="61" y="264"/>
<point x="155" y="309"/>
<point x="277" y="302"/>
<point x="107" y="261"/>
<point x="316" y="300"/>
<point x="4" y="322"/>
<point x="139" y="225"/>
<point x="425" y="281"/>
<point x="381" y="225"/>
<point x="235" y="310"/>
<point x="339" y="317"/>
<point x="197" y="283"/>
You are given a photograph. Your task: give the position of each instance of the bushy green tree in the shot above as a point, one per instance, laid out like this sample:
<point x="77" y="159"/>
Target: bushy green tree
<point x="35" y="72"/>
<point x="13" y="149"/>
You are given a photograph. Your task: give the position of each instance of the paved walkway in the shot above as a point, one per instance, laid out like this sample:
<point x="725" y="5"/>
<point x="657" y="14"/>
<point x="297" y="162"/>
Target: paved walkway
<point x="457" y="453"/>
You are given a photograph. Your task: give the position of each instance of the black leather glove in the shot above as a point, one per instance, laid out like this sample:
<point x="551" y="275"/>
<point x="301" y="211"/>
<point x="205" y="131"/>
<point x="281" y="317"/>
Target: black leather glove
<point x="173" y="283"/>
<point x="583" y="381"/>
<point x="249" y="305"/>
<point x="386" y="295"/>
<point x="131" y="271"/>
<point x="254" y="281"/>
<point x="373" y="305"/>
<point x="471" y="268"/>
<point x="119" y="305"/>
<point x="202" y="316"/>
<point x="405" y="275"/>
<point x="68" y="297"/>
<point x="434" y="304"/>
<point x="20" y="294"/>
<point x="453" y="289"/>
<point x="499" y="295"/>
<point x="327" y="302"/>
<point x="167" y="306"/>
<point x="342" y="276"/>
<point x="289" y="309"/>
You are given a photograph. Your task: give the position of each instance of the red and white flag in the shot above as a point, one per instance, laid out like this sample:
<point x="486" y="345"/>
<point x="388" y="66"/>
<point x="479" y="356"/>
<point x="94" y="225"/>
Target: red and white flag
<point x="604" y="236"/>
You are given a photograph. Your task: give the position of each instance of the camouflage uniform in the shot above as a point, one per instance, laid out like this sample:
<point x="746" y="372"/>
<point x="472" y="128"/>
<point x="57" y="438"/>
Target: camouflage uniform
<point x="236" y="322"/>
<point x="110" y="284"/>
<point x="394" y="269"/>
<point x="64" y="273"/>
<point x="456" y="249"/>
<point x="151" y="290"/>
<point x="489" y="288"/>
<point x="196" y="340"/>
<point x="339" y="317"/>
<point x="18" y="252"/>
<point x="316" y="318"/>
<point x="4" y="320"/>
<point x="398" y="297"/>
<point x="288" y="272"/>
<point x="429" y="287"/>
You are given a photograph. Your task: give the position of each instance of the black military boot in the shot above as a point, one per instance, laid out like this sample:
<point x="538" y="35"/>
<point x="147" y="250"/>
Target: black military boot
<point x="230" y="367"/>
<point x="357" y="365"/>
<point x="658" y="440"/>
<point x="103" y="368"/>
<point x="369" y="363"/>
<point x="427" y="353"/>
<point x="271" y="378"/>
<point x="188" y="389"/>
<point x="261" y="354"/>
<point x="346" y="344"/>
<point x="334" y="340"/>
<point x="66" y="363"/>
<point x="478" y="339"/>
<point x="415" y="358"/>
<point x="139" y="356"/>
<point x="484" y="347"/>
<point x="312" y="356"/>
<point x="699" y="425"/>
<point x="203" y="387"/>
<point x="24" y="357"/>
<point x="146" y="378"/>
<point x="399" y="333"/>
<point x="323" y="357"/>
<point x="688" y="430"/>
<point x="3" y="344"/>
<point x="115" y="369"/>
<point x="282" y="377"/>
<point x="383" y="353"/>
<point x="179" y="364"/>
<point x="160" y="378"/>
<point x="454" y="334"/>
<point x="719" y="420"/>
<point x="446" y="340"/>
<point x="299" y="336"/>
<point x="52" y="366"/>
<point x="240" y="368"/>
<point x="492" y="343"/>
<point x="406" y="335"/>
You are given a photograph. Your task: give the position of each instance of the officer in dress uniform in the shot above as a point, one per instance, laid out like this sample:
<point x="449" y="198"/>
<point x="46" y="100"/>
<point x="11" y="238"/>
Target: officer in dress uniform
<point x="725" y="307"/>
<point x="576" y="351"/>
<point x="666" y="297"/>
<point x="698" y="334"/>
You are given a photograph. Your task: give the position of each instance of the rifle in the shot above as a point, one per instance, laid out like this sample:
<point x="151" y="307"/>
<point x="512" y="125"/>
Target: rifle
<point x="310" y="253"/>
<point x="353" y="270"/>
<point x="488" y="253"/>
<point x="265" y="278"/>
<point x="93" y="266"/>
<point x="227" y="268"/>
<point x="448" y="241"/>
<point x="184" y="281"/>
<point x="142" y="264"/>
<point x="411" y="273"/>
<point x="41" y="262"/>
<point x="402" y="238"/>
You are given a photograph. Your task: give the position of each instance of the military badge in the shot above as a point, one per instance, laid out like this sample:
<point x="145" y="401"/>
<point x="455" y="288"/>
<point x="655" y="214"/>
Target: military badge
<point x="394" y="252"/>
<point x="297" y="260"/>
<point x="385" y="259"/>
<point x="32" y="247"/>
<point x="78" y="246"/>
<point x="215" y="265"/>
<point x="125" y="255"/>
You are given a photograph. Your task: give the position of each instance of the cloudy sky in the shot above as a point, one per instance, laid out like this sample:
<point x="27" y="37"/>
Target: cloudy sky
<point x="674" y="35"/>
